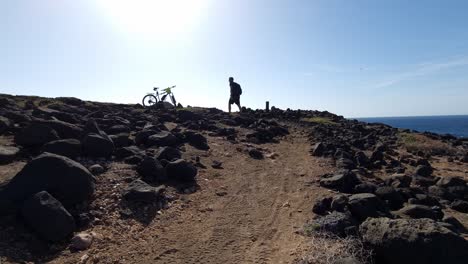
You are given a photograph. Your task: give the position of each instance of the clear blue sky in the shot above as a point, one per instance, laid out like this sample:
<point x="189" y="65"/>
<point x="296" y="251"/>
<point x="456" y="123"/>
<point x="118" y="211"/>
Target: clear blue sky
<point x="354" y="58"/>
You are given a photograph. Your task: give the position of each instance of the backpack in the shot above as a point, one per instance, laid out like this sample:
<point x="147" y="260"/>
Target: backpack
<point x="239" y="89"/>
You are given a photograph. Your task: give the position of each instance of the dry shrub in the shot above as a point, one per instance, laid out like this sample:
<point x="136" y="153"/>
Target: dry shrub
<point x="418" y="142"/>
<point x="326" y="248"/>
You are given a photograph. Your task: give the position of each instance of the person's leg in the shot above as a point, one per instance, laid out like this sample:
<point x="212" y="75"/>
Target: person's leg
<point x="240" y="108"/>
<point x="229" y="106"/>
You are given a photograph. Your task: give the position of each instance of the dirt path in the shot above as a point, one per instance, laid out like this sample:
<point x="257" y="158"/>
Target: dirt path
<point x="247" y="212"/>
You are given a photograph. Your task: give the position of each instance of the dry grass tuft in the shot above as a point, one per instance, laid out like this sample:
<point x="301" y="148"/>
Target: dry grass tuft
<point x="319" y="120"/>
<point x="327" y="248"/>
<point x="417" y="142"/>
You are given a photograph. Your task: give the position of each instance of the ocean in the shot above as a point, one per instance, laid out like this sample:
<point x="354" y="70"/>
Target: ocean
<point x="454" y="125"/>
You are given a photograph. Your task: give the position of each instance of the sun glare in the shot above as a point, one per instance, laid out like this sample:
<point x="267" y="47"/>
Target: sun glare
<point x="154" y="18"/>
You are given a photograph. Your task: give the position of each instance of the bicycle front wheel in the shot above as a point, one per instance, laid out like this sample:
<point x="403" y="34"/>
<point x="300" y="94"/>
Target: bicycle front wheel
<point x="149" y="100"/>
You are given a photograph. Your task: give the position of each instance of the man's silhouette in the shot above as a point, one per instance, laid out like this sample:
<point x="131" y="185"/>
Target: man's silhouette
<point x="236" y="92"/>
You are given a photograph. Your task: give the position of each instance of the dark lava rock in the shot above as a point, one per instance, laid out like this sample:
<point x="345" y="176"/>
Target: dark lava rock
<point x="47" y="217"/>
<point x="398" y="180"/>
<point x="65" y="147"/>
<point x="364" y="205"/>
<point x="413" y="241"/>
<point x="140" y="191"/>
<point x="256" y="154"/>
<point x="451" y="181"/>
<point x="365" y="187"/>
<point x="335" y="223"/>
<point x="8" y="154"/>
<point x="151" y="170"/>
<point x="322" y="206"/>
<point x="125" y="152"/>
<point x="162" y="139"/>
<point x="342" y="182"/>
<point x="423" y="170"/>
<point x="64" y="178"/>
<point x="345" y="163"/>
<point x="361" y="159"/>
<point x="391" y="196"/>
<point x="457" y="225"/>
<point x="121" y="140"/>
<point x="197" y="140"/>
<point x="339" y="203"/>
<point x="35" y="135"/>
<point x="181" y="170"/>
<point x="420" y="211"/>
<point x="64" y="129"/>
<point x="318" y="149"/>
<point x="168" y="153"/>
<point x="95" y="145"/>
<point x="5" y="124"/>
<point x="459" y="205"/>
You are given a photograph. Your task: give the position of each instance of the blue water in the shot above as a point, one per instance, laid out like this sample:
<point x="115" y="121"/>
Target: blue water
<point x="454" y="125"/>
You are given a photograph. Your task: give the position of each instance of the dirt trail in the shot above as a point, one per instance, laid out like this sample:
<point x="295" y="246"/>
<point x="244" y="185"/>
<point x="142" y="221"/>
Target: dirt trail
<point x="247" y="212"/>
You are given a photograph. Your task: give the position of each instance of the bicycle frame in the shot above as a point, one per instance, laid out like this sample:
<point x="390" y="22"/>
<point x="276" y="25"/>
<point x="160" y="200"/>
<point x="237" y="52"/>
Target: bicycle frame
<point x="166" y="91"/>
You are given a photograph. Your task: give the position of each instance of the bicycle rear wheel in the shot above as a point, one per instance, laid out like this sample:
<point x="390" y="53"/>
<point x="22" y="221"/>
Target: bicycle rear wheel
<point x="173" y="100"/>
<point x="149" y="100"/>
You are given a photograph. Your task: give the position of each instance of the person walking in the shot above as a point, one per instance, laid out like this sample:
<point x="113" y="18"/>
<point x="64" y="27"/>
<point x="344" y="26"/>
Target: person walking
<point x="236" y="92"/>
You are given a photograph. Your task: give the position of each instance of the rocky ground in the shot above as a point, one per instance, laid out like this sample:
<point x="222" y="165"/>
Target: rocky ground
<point x="87" y="182"/>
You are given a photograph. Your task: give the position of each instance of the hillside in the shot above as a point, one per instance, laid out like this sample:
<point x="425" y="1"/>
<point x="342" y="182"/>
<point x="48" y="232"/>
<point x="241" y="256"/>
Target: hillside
<point x="88" y="182"/>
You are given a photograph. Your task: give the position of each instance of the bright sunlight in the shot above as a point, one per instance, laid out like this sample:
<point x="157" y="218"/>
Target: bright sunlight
<point x="154" y="18"/>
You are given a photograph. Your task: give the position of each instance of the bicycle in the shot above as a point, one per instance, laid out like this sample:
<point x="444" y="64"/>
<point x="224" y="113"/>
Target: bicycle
<point x="150" y="99"/>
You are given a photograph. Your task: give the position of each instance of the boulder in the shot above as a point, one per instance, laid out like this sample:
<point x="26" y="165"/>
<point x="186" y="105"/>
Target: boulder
<point x="364" y="205"/>
<point x="181" y="170"/>
<point x="151" y="170"/>
<point x="65" y="147"/>
<point x="365" y="187"/>
<point x="168" y="153"/>
<point x="361" y="159"/>
<point x="423" y="170"/>
<point x="391" y="196"/>
<point x="81" y="241"/>
<point x="322" y="206"/>
<point x="335" y="223"/>
<point x="96" y="169"/>
<point x="5" y="124"/>
<point x="140" y="191"/>
<point x="47" y="217"/>
<point x="35" y="135"/>
<point x="65" y="179"/>
<point x="342" y="182"/>
<point x="456" y="225"/>
<point x="339" y="203"/>
<point x="420" y="211"/>
<point x="398" y="180"/>
<point x="96" y="146"/>
<point x="318" y="149"/>
<point x="64" y="129"/>
<point x="162" y="139"/>
<point x="8" y="154"/>
<point x="121" y="140"/>
<point x="459" y="205"/>
<point x="125" y="152"/>
<point x="256" y="154"/>
<point x="197" y="140"/>
<point x="451" y="181"/>
<point x="345" y="163"/>
<point x="413" y="241"/>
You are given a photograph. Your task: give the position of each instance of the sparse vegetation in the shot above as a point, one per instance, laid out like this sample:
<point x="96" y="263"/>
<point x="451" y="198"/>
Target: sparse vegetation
<point x="417" y="142"/>
<point x="319" y="120"/>
<point x="326" y="248"/>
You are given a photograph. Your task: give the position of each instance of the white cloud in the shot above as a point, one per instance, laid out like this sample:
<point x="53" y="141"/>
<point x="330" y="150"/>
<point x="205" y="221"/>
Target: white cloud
<point x="423" y="69"/>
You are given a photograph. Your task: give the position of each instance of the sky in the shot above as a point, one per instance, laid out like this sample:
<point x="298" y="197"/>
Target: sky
<point x="360" y="58"/>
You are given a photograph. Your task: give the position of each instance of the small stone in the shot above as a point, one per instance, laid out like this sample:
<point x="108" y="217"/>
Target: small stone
<point x="81" y="241"/>
<point x="96" y="169"/>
